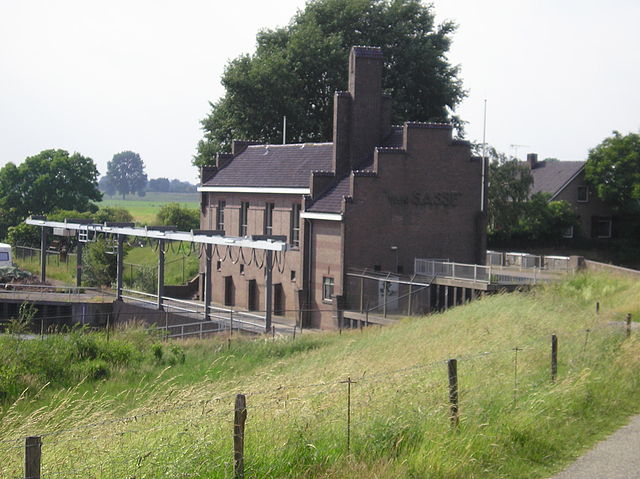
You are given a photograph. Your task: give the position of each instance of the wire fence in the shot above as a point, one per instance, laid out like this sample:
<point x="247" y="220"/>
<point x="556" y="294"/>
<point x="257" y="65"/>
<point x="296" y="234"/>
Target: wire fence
<point x="241" y="430"/>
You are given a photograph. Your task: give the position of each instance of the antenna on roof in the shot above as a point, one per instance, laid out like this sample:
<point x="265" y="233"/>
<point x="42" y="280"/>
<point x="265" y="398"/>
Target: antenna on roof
<point x="284" y="130"/>
<point x="515" y="149"/>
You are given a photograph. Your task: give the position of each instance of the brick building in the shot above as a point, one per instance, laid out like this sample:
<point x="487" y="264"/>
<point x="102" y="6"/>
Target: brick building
<point x="375" y="197"/>
<point x="565" y="180"/>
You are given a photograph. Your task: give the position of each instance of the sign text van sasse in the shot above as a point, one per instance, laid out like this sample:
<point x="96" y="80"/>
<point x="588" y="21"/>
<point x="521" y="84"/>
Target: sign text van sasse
<point x="447" y="199"/>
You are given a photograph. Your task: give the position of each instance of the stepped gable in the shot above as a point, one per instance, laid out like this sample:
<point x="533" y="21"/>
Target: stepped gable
<point x="551" y="176"/>
<point x="331" y="200"/>
<point x="283" y="166"/>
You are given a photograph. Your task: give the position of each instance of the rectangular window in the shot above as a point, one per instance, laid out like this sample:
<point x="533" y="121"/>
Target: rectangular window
<point x="583" y="194"/>
<point x="218" y="265"/>
<point x="220" y="215"/>
<point x="293" y="275"/>
<point x="244" y="217"/>
<point x="568" y="233"/>
<point x="268" y="218"/>
<point x="295" y="225"/>
<point x="4" y="256"/>
<point x="604" y="227"/>
<point x="327" y="288"/>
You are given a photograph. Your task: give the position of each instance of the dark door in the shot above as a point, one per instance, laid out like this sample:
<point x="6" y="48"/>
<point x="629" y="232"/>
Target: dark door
<point x="253" y="295"/>
<point x="278" y="300"/>
<point x="228" y="291"/>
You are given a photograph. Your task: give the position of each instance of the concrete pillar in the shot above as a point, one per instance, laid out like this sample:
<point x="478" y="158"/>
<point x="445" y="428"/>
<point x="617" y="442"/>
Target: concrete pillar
<point x="268" y="307"/>
<point x="43" y="254"/>
<point x="208" y="280"/>
<point x="455" y="296"/>
<point x="119" y="268"/>
<point x="446" y="297"/>
<point x="79" y="264"/>
<point x="160" y="273"/>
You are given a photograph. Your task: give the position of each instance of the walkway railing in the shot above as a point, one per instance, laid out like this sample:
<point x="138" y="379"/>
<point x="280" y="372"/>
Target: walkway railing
<point x="525" y="261"/>
<point x="500" y="275"/>
<point x="446" y="269"/>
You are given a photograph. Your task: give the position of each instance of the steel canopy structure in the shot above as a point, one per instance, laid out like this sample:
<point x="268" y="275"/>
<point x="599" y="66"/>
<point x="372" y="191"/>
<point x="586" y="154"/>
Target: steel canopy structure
<point x="207" y="239"/>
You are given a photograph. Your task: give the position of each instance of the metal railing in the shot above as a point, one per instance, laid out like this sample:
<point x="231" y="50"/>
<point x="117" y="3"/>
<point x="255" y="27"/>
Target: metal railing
<point x="446" y="269"/>
<point x="478" y="273"/>
<point x="228" y="318"/>
<point x="527" y="261"/>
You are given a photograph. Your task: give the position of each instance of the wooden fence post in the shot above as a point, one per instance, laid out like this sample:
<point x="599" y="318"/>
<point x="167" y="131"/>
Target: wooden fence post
<point x="348" y="382"/>
<point x="453" y="390"/>
<point x="32" y="455"/>
<point x="238" y="436"/>
<point x="628" y="325"/>
<point x="554" y="357"/>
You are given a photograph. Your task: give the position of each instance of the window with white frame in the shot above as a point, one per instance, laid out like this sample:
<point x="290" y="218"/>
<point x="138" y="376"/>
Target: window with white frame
<point x="244" y="218"/>
<point x="220" y="215"/>
<point x="295" y="225"/>
<point x="268" y="218"/>
<point x="568" y="232"/>
<point x="327" y="288"/>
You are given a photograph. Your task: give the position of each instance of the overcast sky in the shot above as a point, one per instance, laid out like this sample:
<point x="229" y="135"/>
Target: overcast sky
<point x="102" y="77"/>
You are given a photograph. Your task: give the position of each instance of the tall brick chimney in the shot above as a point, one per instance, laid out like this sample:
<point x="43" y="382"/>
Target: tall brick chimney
<point x="532" y="160"/>
<point x="365" y="86"/>
<point x="361" y="116"/>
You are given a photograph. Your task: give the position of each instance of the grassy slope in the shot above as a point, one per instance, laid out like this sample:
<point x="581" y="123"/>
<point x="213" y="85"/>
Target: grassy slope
<point x="400" y="428"/>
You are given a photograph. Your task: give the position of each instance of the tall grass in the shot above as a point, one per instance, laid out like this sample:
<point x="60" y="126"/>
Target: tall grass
<point x="514" y="421"/>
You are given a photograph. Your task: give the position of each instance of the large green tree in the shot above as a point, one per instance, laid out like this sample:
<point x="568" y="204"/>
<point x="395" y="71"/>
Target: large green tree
<point x="295" y="70"/>
<point x="125" y="173"/>
<point x="613" y="167"/>
<point x="50" y="180"/>
<point x="510" y="183"/>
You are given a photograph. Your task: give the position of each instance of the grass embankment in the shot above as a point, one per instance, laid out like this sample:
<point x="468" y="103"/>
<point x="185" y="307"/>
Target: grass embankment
<point x="514" y="421"/>
<point x="145" y="209"/>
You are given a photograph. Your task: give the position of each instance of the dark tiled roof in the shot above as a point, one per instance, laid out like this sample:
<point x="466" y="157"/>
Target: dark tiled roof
<point x="551" y="176"/>
<point x="279" y="166"/>
<point x="331" y="200"/>
<point x="368" y="52"/>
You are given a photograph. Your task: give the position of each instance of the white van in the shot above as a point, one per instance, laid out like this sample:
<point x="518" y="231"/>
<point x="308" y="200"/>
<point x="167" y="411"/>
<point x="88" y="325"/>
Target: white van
<point x="5" y="254"/>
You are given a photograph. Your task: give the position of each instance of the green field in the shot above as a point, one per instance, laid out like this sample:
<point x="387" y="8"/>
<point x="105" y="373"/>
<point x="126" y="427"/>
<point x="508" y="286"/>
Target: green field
<point x="181" y="265"/>
<point x="142" y="418"/>
<point x="144" y="209"/>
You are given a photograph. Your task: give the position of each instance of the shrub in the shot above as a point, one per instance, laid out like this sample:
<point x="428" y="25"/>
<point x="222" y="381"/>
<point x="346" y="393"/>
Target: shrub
<point x="185" y="219"/>
<point x="157" y="351"/>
